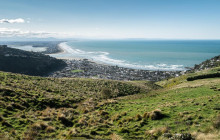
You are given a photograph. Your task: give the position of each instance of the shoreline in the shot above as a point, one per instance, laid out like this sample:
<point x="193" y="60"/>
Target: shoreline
<point x="86" y="68"/>
<point x="63" y="51"/>
<point x="60" y="46"/>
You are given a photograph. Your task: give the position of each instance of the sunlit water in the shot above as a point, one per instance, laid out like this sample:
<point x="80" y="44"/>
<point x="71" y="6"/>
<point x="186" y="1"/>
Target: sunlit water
<point x="149" y="55"/>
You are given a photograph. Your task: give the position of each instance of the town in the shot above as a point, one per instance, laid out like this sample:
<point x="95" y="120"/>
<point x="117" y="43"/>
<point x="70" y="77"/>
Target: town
<point x="85" y="68"/>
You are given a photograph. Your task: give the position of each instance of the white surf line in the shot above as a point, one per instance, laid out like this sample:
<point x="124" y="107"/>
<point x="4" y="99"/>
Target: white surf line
<point x="103" y="58"/>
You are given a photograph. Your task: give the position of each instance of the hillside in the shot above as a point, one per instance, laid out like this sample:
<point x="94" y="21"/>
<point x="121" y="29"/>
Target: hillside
<point x="30" y="63"/>
<point x="210" y="63"/>
<point x="52" y="46"/>
<point x="36" y="107"/>
<point x="24" y="98"/>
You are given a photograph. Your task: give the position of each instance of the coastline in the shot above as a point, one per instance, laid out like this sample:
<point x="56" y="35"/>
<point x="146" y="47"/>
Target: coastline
<point x="59" y="47"/>
<point x="59" y="50"/>
<point x="86" y="68"/>
<point x="104" y="59"/>
<point x="63" y="51"/>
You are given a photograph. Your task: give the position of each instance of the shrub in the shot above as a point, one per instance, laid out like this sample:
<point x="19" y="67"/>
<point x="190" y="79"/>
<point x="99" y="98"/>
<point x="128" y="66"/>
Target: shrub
<point x="123" y="130"/>
<point x="83" y="121"/>
<point x="216" y="123"/>
<point x="36" y="126"/>
<point x="214" y="75"/>
<point x="146" y="115"/>
<point x="156" y="115"/>
<point x="93" y="132"/>
<point x="1" y="118"/>
<point x="64" y="120"/>
<point x="106" y="93"/>
<point x="85" y="110"/>
<point x="43" y="125"/>
<point x="143" y="122"/>
<point x="10" y="107"/>
<point x="18" y="106"/>
<point x="73" y="132"/>
<point x="116" y="117"/>
<point x="124" y="114"/>
<point x="39" y="126"/>
<point x="183" y="136"/>
<point x="156" y="132"/>
<point x="138" y="117"/>
<point x="30" y="135"/>
<point x="129" y="119"/>
<point x="5" y="123"/>
<point x="103" y="113"/>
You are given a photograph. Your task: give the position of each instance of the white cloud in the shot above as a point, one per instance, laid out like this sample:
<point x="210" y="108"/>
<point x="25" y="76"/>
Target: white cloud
<point x="6" y="32"/>
<point x="18" y="20"/>
<point x="11" y="32"/>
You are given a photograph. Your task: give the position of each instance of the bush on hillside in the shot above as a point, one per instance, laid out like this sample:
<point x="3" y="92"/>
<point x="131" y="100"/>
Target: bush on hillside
<point x="214" y="75"/>
<point x="216" y="123"/>
<point x="106" y="93"/>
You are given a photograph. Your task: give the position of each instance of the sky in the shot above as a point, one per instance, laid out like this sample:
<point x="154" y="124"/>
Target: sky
<point x="113" y="19"/>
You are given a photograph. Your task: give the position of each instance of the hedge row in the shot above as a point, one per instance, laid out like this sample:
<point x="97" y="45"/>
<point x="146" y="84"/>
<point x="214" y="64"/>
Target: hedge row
<point x="213" y="75"/>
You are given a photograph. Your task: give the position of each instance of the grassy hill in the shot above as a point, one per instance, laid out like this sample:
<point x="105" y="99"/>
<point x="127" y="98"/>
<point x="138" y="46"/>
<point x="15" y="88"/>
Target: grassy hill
<point x="210" y="63"/>
<point x="30" y="63"/>
<point x="178" y="108"/>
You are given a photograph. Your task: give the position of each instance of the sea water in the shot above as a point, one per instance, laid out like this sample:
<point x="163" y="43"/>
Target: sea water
<point x="143" y="54"/>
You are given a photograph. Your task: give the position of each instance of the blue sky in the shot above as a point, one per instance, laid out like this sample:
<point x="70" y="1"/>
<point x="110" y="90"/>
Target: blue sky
<point x="151" y="19"/>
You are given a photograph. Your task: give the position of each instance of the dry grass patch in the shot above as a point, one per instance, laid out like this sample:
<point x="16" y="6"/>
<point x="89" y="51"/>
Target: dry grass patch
<point x="50" y="129"/>
<point x="138" y="117"/>
<point x="115" y="137"/>
<point x="39" y="126"/>
<point x="154" y="115"/>
<point x="156" y="132"/>
<point x="206" y="136"/>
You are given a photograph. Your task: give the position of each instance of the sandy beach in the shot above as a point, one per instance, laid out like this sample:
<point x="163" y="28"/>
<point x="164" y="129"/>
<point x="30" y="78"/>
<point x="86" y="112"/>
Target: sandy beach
<point x="63" y="51"/>
<point x="66" y="51"/>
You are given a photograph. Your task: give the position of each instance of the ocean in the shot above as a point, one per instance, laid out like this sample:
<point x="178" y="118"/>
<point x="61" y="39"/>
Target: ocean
<point x="143" y="54"/>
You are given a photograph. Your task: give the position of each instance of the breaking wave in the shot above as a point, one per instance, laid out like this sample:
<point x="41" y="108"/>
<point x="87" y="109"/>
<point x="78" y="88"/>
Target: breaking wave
<point x="103" y="57"/>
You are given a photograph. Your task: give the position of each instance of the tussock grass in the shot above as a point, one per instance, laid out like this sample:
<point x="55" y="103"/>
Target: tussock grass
<point x="35" y="107"/>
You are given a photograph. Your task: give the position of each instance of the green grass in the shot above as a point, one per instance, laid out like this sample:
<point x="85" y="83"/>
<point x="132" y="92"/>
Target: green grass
<point x="183" y="78"/>
<point x="198" y="103"/>
<point x="77" y="71"/>
<point x="74" y="108"/>
<point x="30" y="97"/>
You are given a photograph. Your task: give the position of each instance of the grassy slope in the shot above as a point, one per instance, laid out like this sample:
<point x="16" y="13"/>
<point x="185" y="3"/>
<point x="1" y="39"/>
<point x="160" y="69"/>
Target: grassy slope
<point x="187" y="106"/>
<point x="71" y="108"/>
<point x="23" y="100"/>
